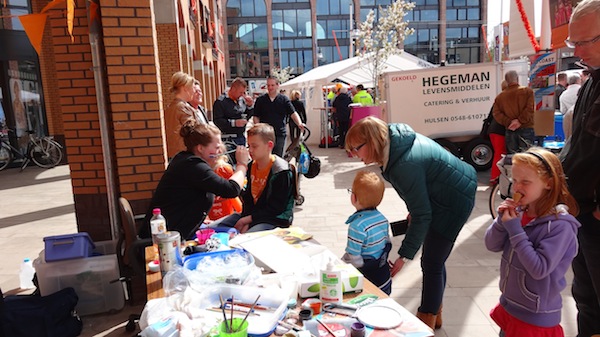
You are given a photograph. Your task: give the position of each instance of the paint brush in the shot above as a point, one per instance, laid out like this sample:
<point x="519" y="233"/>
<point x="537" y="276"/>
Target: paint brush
<point x="231" y="314"/>
<point x="326" y="327"/>
<point x="249" y="311"/>
<point x="224" y="314"/>
<point x="221" y="154"/>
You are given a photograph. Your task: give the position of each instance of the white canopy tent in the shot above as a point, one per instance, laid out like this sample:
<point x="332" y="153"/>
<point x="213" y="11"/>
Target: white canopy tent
<point x="352" y="71"/>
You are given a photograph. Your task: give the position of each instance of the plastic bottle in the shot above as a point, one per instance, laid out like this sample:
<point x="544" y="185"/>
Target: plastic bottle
<point x="26" y="274"/>
<point x="331" y="284"/>
<point x="304" y="162"/>
<point x="158" y="225"/>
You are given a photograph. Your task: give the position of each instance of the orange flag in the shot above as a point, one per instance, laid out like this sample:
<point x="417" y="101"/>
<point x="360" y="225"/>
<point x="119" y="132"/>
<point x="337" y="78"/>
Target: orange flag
<point x="94" y="12"/>
<point x="70" y="17"/>
<point x="51" y="5"/>
<point x="34" y="28"/>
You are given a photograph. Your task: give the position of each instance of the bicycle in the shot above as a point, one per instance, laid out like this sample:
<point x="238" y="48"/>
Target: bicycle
<point x="503" y="189"/>
<point x="45" y="152"/>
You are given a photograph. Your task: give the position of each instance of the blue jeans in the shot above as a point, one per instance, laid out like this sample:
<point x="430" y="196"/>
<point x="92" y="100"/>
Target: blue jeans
<point x="586" y="281"/>
<point x="230" y="221"/>
<point x="436" y="250"/>
<point x="261" y="227"/>
<point x="519" y="140"/>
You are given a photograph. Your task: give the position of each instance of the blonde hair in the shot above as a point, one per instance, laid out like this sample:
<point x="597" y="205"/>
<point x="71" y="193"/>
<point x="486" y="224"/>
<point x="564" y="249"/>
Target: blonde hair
<point x="222" y="160"/>
<point x="368" y="188"/>
<point x="295" y="95"/>
<point x="549" y="169"/>
<point x="371" y="131"/>
<point x="264" y="131"/>
<point x="180" y="80"/>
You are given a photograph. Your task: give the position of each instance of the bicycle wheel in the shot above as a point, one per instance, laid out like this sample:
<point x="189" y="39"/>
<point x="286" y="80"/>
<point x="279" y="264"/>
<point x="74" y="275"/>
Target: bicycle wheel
<point x="5" y="156"/>
<point x="496" y="198"/>
<point x="45" y="153"/>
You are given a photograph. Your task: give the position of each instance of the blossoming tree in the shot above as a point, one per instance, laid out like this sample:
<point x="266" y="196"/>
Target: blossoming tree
<point x="377" y="40"/>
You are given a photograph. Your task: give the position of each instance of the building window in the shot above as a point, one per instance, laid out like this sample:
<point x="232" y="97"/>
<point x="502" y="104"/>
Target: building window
<point x="248" y="37"/>
<point x="367" y="6"/>
<point x="246" y="8"/>
<point x="333" y="7"/>
<point x="22" y="107"/>
<point x="9" y="14"/>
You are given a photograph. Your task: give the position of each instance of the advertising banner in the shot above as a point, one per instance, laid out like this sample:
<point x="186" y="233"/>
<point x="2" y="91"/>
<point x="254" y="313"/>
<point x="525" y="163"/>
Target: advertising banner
<point x="542" y="78"/>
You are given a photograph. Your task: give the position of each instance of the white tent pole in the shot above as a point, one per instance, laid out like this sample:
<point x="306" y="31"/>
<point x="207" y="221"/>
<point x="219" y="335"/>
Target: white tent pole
<point x="351" y="31"/>
<point x="545" y="32"/>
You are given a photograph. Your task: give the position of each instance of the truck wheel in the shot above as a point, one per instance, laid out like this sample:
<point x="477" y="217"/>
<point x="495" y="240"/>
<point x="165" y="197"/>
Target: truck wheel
<point x="479" y="153"/>
<point x="448" y="145"/>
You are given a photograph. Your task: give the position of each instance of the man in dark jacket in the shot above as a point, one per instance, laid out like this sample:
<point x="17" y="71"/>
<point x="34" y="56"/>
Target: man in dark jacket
<point x="341" y="104"/>
<point x="581" y="162"/>
<point x="232" y="110"/>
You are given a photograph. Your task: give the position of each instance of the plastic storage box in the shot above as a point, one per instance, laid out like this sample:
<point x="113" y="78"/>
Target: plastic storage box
<point x="95" y="280"/>
<point x="221" y="272"/>
<point x="101" y="248"/>
<point x="259" y="326"/>
<point x="70" y="246"/>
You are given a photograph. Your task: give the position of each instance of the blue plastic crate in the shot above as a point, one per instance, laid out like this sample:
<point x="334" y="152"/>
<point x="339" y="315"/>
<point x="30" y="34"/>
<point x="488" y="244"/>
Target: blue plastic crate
<point x="69" y="246"/>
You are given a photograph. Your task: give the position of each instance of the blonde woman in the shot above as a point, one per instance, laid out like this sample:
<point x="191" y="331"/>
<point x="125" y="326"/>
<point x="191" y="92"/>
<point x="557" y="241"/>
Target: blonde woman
<point x="179" y="111"/>
<point x="439" y="192"/>
<point x="296" y="97"/>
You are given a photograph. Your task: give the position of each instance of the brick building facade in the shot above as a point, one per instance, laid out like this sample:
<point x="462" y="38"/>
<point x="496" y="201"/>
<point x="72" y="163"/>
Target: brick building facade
<point x="107" y="89"/>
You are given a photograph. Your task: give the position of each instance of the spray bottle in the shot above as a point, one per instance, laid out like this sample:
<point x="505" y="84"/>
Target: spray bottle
<point x="331" y="284"/>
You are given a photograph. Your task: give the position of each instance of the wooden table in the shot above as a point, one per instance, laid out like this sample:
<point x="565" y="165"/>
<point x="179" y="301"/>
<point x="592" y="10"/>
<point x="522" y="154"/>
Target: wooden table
<point x="155" y="290"/>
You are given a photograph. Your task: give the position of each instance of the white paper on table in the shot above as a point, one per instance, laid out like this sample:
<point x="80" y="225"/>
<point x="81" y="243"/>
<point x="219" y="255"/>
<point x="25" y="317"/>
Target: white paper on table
<point x="274" y="253"/>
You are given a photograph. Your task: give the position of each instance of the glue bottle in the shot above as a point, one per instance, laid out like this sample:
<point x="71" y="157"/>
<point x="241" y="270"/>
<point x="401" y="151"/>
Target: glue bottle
<point x="331" y="284"/>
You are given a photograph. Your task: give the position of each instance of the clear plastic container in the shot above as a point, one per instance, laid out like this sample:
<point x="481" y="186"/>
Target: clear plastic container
<point x="227" y="266"/>
<point x="258" y="326"/>
<point x="92" y="278"/>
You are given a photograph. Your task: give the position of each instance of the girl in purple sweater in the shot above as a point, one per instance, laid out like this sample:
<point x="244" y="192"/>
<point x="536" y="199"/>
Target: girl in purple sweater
<point x="536" y="231"/>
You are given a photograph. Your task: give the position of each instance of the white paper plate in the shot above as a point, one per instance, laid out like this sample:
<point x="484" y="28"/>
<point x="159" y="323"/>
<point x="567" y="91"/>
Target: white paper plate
<point x="379" y="316"/>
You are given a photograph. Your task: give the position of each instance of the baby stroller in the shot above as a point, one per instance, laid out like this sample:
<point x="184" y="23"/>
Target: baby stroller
<point x="295" y="151"/>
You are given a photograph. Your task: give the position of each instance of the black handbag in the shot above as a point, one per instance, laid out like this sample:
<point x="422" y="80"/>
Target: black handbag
<point x="314" y="165"/>
<point x="42" y="316"/>
<point x="485" y="133"/>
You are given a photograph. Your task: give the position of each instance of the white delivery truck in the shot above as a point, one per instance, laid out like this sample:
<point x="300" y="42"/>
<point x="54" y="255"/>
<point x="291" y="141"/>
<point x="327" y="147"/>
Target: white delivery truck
<point x="448" y="104"/>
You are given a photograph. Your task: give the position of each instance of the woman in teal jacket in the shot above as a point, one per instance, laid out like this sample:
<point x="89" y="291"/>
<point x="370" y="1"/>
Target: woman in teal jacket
<point x="439" y="192"/>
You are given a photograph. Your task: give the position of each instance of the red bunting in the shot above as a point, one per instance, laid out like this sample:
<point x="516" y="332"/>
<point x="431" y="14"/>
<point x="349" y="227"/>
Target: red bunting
<point x="530" y="33"/>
